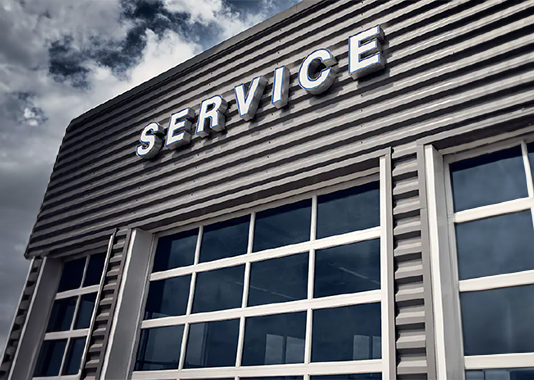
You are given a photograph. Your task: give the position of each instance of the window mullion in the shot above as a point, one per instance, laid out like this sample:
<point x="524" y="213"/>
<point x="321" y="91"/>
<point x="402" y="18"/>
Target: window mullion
<point x="453" y="260"/>
<point x="528" y="172"/>
<point x="313" y="227"/>
<point x="246" y="284"/>
<point x="308" y="340"/>
<point x="85" y="270"/>
<point x="75" y="315"/>
<point x="183" y="346"/>
<point x="67" y="347"/>
<point x="190" y="300"/>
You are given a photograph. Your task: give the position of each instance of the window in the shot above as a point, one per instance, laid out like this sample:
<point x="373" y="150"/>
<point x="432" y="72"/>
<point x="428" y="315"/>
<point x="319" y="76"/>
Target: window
<point x="68" y="324"/>
<point x="490" y="215"/>
<point x="284" y="292"/>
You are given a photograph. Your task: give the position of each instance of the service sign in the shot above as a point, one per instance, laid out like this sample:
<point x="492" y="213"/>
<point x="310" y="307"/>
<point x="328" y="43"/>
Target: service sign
<point x="365" y="57"/>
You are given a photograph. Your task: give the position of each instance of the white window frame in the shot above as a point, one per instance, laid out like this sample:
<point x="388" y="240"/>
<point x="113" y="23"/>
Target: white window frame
<point x="446" y="286"/>
<point x="307" y="368"/>
<point x="71" y="333"/>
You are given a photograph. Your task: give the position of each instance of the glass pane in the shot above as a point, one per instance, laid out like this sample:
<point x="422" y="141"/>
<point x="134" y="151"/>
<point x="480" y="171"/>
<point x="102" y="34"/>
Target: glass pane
<point x="289" y="224"/>
<point x="225" y="239"/>
<point x="501" y="244"/>
<point x="71" y="277"/>
<point x="278" y="280"/>
<point x="359" y="376"/>
<point x="175" y="251"/>
<point x="50" y="358"/>
<point x="488" y="179"/>
<point x="500" y="374"/>
<point x="94" y="270"/>
<point x="85" y="311"/>
<point x="168" y="297"/>
<point x="212" y="344"/>
<point x="347" y="269"/>
<point x="273" y="378"/>
<point x="74" y="356"/>
<point x="159" y="348"/>
<point x="348" y="210"/>
<point x="347" y="333"/>
<point x="219" y="289"/>
<point x="275" y="339"/>
<point x="498" y="321"/>
<point x="62" y="314"/>
<point x="531" y="157"/>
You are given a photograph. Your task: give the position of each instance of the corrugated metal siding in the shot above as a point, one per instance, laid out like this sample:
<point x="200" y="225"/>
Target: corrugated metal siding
<point x="107" y="300"/>
<point x="461" y="65"/>
<point x="20" y="318"/>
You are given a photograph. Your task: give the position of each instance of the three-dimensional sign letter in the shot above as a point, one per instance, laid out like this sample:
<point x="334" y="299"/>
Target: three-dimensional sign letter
<point x="211" y="110"/>
<point x="248" y="105"/>
<point x="280" y="87"/>
<point x="151" y="141"/>
<point x="179" y="131"/>
<point x="365" y="52"/>
<point x="322" y="82"/>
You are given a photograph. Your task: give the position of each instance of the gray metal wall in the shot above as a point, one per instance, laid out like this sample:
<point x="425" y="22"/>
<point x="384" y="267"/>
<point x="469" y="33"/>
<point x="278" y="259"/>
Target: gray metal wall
<point x="452" y="68"/>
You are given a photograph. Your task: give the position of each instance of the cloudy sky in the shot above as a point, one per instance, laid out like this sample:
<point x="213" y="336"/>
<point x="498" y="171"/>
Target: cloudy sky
<point x="60" y="58"/>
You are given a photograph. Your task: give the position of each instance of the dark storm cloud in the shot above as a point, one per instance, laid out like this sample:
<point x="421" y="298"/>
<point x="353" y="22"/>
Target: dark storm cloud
<point x="153" y="15"/>
<point x="66" y="63"/>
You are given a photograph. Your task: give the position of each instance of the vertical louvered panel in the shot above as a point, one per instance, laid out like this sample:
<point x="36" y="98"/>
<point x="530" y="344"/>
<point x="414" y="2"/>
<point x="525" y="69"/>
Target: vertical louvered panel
<point x="20" y="318"/>
<point x="106" y="302"/>
<point x="415" y="357"/>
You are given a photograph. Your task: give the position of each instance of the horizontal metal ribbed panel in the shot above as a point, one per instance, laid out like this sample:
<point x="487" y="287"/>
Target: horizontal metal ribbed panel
<point x="106" y="301"/>
<point x="21" y="315"/>
<point x="118" y="180"/>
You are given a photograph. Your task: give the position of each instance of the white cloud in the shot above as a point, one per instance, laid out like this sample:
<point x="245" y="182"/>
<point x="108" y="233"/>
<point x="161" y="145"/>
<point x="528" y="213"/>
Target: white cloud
<point x="215" y="14"/>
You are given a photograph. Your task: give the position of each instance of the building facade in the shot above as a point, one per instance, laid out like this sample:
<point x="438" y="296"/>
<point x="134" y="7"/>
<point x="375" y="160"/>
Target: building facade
<point x="344" y="191"/>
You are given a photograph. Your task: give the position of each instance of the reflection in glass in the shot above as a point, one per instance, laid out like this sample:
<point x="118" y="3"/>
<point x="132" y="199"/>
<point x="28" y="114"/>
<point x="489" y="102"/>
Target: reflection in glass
<point x="500" y="374"/>
<point x="273" y="378"/>
<point x="348" y="210"/>
<point x="275" y="339"/>
<point x="219" y="289"/>
<point x="168" y="297"/>
<point x="347" y="269"/>
<point x="71" y="277"/>
<point x="498" y="321"/>
<point x="530" y="148"/>
<point x="278" y="280"/>
<point x="289" y="224"/>
<point x="50" y="357"/>
<point x="225" y="239"/>
<point x="62" y="314"/>
<point x="501" y="244"/>
<point x="359" y="376"/>
<point x="85" y="311"/>
<point x="74" y="356"/>
<point x="94" y="269"/>
<point x="347" y="333"/>
<point x="488" y="179"/>
<point x="212" y="344"/>
<point x="159" y="348"/>
<point x="175" y="251"/>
